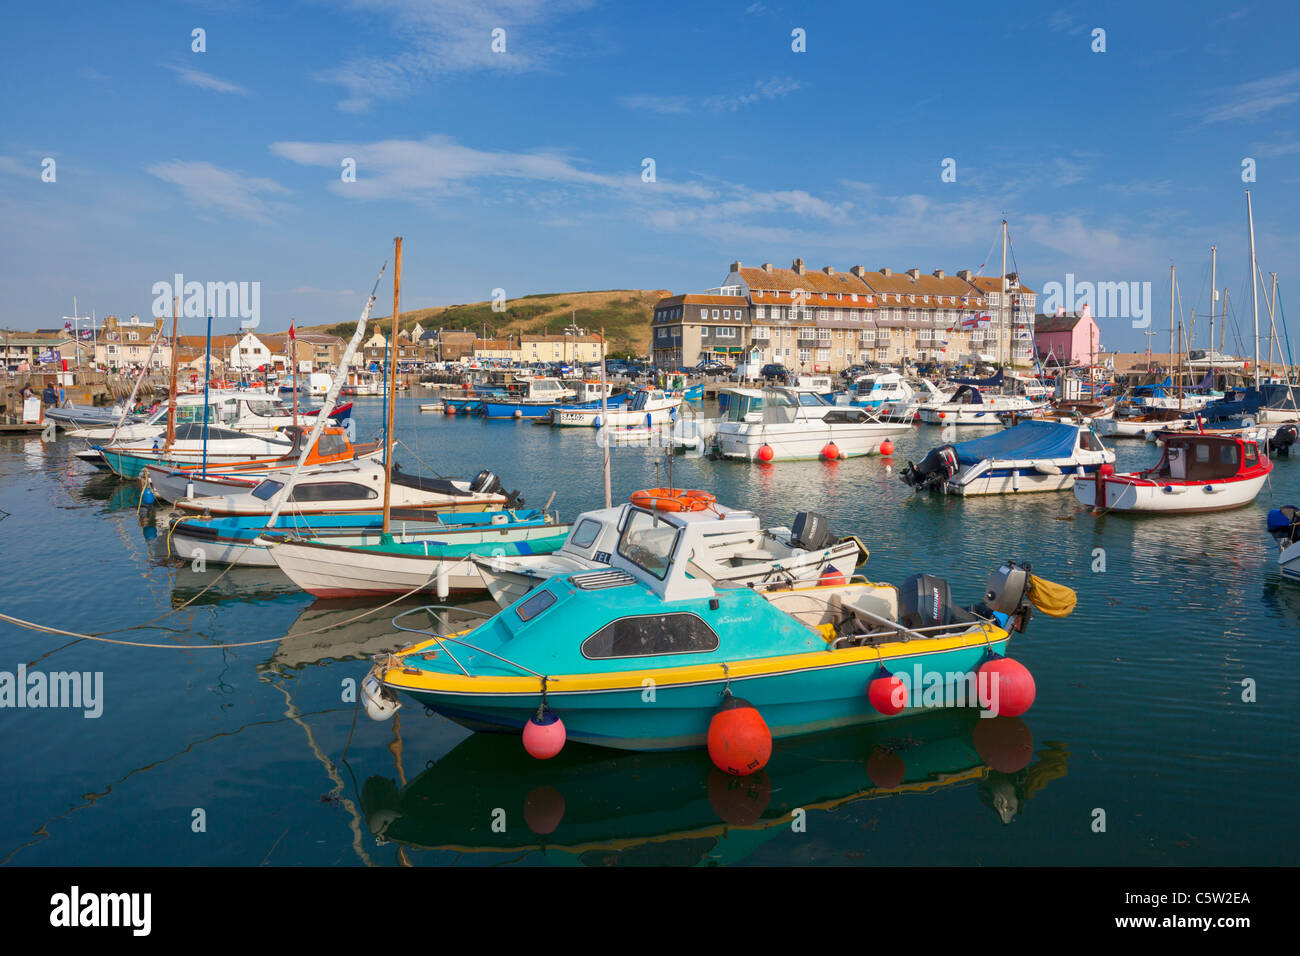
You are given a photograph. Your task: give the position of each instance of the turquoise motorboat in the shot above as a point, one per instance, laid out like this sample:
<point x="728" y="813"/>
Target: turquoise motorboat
<point x="640" y="655"/>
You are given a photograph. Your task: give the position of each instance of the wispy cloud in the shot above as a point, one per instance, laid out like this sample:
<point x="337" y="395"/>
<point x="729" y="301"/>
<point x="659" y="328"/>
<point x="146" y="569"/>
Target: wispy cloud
<point x="1250" y="101"/>
<point x="226" y="191"/>
<point x="1063" y="21"/>
<point x="653" y="103"/>
<point x="206" y="81"/>
<point x="10" y="165"/>
<point x="769" y="89"/>
<point x="442" y="37"/>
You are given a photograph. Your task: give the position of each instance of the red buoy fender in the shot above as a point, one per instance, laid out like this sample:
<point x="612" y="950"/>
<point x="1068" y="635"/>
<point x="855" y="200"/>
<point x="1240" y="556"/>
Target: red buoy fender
<point x="887" y="693"/>
<point x="739" y="740"/>
<point x="1005" y="686"/>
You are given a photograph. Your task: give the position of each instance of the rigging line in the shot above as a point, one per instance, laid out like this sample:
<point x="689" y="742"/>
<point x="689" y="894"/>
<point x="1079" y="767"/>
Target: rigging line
<point x="46" y="629"/>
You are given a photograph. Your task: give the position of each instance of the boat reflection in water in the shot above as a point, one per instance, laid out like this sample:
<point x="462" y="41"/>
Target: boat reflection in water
<point x="593" y="807"/>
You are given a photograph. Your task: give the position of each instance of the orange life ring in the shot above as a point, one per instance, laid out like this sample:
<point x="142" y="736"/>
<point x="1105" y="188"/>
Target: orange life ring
<point x="673" y="499"/>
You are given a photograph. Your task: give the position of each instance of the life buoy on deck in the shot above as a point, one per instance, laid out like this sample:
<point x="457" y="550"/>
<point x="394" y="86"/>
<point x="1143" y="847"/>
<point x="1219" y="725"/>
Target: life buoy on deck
<point x="673" y="499"/>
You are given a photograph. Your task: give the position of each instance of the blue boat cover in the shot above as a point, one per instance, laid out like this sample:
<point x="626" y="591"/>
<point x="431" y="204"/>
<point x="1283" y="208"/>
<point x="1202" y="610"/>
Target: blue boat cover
<point x="997" y="378"/>
<point x="1027" y="440"/>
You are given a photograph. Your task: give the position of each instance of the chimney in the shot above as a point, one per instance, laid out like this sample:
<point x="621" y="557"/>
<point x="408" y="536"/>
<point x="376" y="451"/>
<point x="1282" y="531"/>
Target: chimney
<point x="886" y="272"/>
<point x="858" y="271"/>
<point x="797" y="266"/>
<point x="938" y="273"/>
<point x="964" y="275"/>
<point x="914" y="273"/>
<point x="828" y="270"/>
<point x="735" y="266"/>
<point x="767" y="267"/>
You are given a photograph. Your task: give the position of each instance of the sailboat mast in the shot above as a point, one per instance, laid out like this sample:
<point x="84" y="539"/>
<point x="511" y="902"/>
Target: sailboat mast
<point x="392" y="381"/>
<point x="1223" y="326"/>
<point x="1002" y="298"/>
<point x="1214" y="294"/>
<point x="171" y="400"/>
<point x="1171" y="316"/>
<point x="1272" y="327"/>
<point x="1254" y="286"/>
<point x="604" y="418"/>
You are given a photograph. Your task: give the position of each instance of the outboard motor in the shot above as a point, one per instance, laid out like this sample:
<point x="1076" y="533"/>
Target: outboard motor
<point x="1284" y="438"/>
<point x="924" y="601"/>
<point x="1284" y="524"/>
<point x="1007" y="593"/>
<point x="486" y="483"/>
<point x="810" y="532"/>
<point x="935" y="468"/>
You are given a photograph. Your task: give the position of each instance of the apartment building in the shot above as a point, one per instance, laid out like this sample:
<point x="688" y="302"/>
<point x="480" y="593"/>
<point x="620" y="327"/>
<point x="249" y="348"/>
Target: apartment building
<point x="826" y="320"/>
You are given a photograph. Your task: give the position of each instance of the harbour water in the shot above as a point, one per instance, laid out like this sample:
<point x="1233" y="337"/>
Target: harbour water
<point x="1145" y="751"/>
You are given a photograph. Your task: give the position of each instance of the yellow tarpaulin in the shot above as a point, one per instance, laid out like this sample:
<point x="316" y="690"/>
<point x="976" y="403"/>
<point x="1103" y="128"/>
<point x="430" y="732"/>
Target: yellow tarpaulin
<point x="1054" y="600"/>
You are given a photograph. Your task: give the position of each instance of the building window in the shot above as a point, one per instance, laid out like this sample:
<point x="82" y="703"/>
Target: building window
<point x="724" y="333"/>
<point x="758" y="312"/>
<point x="715" y="313"/>
<point x="704" y="313"/>
<point x="805" y="355"/>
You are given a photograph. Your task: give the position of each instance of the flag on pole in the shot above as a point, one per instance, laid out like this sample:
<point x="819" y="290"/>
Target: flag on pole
<point x="291" y="336"/>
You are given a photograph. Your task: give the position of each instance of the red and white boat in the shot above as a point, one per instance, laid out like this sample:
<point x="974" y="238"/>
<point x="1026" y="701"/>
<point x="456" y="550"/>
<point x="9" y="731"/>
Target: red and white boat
<point x="1196" y="473"/>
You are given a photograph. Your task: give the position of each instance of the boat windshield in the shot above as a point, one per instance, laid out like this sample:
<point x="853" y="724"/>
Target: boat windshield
<point x="741" y="405"/>
<point x="267" y="489"/>
<point x="648" y="543"/>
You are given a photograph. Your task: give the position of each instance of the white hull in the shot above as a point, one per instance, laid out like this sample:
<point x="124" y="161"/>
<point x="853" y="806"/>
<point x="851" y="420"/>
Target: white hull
<point x="1288" y="561"/>
<point x="336" y="573"/>
<point x="1126" y="428"/>
<point x="994" y="477"/>
<point x="1169" y="498"/>
<point x="803" y="440"/>
<point x="614" y="417"/>
<point x="985" y="413"/>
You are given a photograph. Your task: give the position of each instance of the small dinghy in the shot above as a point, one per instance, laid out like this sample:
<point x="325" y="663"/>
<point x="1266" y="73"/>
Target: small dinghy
<point x="735" y="550"/>
<point x="1031" y="456"/>
<point x="1196" y="473"/>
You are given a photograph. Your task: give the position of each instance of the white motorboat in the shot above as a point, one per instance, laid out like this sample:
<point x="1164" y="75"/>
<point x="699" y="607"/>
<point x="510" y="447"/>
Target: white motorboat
<point x="775" y="424"/>
<point x="647" y="407"/>
<point x="358" y="487"/>
<point x="969" y="406"/>
<point x="1031" y="456"/>
<point x="736" y="552"/>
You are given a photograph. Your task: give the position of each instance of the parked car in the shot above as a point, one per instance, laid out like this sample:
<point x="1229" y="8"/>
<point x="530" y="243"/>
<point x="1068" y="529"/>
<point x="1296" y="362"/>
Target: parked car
<point x="775" y="372"/>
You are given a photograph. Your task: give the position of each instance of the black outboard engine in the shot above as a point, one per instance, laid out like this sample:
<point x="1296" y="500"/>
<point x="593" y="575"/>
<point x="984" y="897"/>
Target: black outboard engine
<point x="934" y="469"/>
<point x="1285" y="437"/>
<point x="810" y="532"/>
<point x="924" y="601"/>
<point x="485" y="483"/>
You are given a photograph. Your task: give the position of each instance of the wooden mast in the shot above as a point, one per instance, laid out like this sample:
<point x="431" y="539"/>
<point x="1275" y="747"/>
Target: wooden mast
<point x="392" y="381"/>
<point x="171" y="399"/>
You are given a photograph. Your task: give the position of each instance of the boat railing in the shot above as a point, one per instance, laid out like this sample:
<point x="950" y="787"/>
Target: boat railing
<point x="443" y="639"/>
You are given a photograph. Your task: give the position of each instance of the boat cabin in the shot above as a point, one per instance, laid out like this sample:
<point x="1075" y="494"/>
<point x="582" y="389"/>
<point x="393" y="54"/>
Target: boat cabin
<point x="1195" y="457"/>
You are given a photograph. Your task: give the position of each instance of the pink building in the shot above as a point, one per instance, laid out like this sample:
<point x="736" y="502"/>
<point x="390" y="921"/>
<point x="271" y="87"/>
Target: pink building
<point x="1067" y="338"/>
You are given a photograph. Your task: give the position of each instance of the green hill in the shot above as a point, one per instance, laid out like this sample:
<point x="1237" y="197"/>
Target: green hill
<point x="624" y="314"/>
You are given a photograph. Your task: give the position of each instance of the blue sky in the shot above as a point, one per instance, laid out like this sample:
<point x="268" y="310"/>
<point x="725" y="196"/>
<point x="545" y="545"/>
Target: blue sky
<point x="523" y="170"/>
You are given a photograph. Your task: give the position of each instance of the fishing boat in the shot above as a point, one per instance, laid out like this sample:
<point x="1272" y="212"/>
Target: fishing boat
<point x="585" y="647"/>
<point x="539" y="397"/>
<point x="1196" y="473"/>
<point x="172" y="481"/>
<point x="1284" y="526"/>
<point x="1031" y="456"/>
<point x="235" y="540"/>
<point x="356" y="487"/>
<point x="735" y="549"/>
<point x="645" y="407"/>
<point x="969" y="406"/>
<point x="781" y="424"/>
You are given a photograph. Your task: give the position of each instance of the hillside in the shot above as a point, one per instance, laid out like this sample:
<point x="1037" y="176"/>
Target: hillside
<point x="623" y="313"/>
